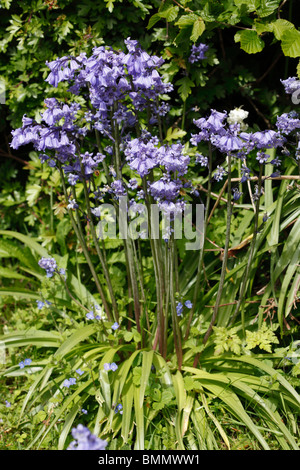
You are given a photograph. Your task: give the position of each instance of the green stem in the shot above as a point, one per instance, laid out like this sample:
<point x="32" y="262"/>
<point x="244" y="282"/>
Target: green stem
<point x="240" y="302"/>
<point x="99" y="252"/>
<point x="201" y="254"/>
<point x="159" y="278"/>
<point x="175" y="324"/>
<point x="79" y="233"/>
<point x="225" y="256"/>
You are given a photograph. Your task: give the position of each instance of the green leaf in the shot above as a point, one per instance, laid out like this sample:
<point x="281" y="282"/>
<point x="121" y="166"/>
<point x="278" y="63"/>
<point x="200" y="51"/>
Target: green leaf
<point x="267" y="7"/>
<point x="10" y="274"/>
<point x="79" y="335"/>
<point x="290" y="43"/>
<point x="146" y="369"/>
<point x="174" y="133"/>
<point x="198" y="29"/>
<point x="185" y="87"/>
<point x="250" y="4"/>
<point x="280" y="26"/>
<point x="298" y="69"/>
<point x="32" y="194"/>
<point x="187" y="20"/>
<point x="250" y="41"/>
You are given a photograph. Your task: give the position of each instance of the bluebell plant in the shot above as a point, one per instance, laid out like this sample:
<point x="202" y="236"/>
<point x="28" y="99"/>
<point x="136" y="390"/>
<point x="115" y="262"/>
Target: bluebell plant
<point x="113" y="123"/>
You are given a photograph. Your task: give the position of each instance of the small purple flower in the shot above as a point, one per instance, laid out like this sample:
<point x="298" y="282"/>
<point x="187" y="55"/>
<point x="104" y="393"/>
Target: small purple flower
<point x="83" y="411"/>
<point x="220" y="172"/>
<point x="115" y="326"/>
<point x="21" y="365"/>
<point x="179" y="308"/>
<point x="85" y="440"/>
<point x="106" y="366"/>
<point x="291" y="85"/>
<point x="72" y="179"/>
<point x="198" y="52"/>
<point x="113" y="366"/>
<point x="68" y="382"/>
<point x="49" y="264"/>
<point x="90" y="315"/>
<point x="201" y="159"/>
<point x="40" y="304"/>
<point x="265" y="217"/>
<point x="7" y="404"/>
<point x="188" y="304"/>
<point x="27" y="362"/>
<point x="236" y="194"/>
<point x="79" y="371"/>
<point x="119" y="409"/>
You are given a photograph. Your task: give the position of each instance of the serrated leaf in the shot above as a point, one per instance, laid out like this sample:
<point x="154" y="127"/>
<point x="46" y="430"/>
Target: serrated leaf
<point x="280" y="26"/>
<point x="185" y="87"/>
<point x="170" y="14"/>
<point x="198" y="29"/>
<point x="290" y="43"/>
<point x="175" y="133"/>
<point x="32" y="194"/>
<point x="267" y="7"/>
<point x="251" y="4"/>
<point x="153" y="20"/>
<point x="187" y="20"/>
<point x="250" y="41"/>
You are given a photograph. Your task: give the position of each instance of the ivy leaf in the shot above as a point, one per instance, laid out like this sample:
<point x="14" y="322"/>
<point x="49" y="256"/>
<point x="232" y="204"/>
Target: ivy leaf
<point x="250" y="41"/>
<point x="198" y="29"/>
<point x="290" y="43"/>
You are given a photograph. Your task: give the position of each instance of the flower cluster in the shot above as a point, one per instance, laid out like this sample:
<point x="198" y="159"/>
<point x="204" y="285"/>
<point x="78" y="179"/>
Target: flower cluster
<point x="85" y="440"/>
<point x="49" y="264"/>
<point x="198" y="52"/>
<point x="291" y="85"/>
<point x="180" y="307"/>
<point x="24" y="363"/>
<point x="110" y="366"/>
<point x="68" y="382"/>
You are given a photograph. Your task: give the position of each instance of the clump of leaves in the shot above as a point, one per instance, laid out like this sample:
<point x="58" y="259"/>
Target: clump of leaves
<point x="226" y="340"/>
<point x="263" y="338"/>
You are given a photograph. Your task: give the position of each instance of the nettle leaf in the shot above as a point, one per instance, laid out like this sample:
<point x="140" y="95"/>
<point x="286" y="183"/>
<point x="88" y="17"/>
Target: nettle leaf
<point x="250" y="41"/>
<point x="290" y="43"/>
